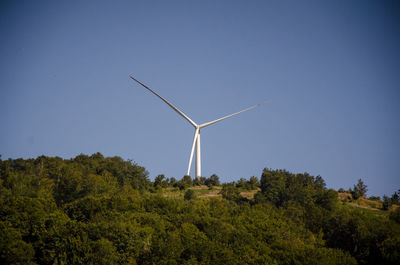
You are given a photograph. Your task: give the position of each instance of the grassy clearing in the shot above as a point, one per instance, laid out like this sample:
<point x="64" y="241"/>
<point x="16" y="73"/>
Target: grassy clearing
<point x="199" y="191"/>
<point x="345" y="199"/>
<point x="370" y="203"/>
<point x="249" y="194"/>
<point x="203" y="192"/>
<point x="365" y="204"/>
<point x="362" y="202"/>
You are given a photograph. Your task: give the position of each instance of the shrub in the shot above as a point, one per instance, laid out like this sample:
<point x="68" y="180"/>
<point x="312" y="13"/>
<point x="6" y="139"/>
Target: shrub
<point x="374" y="198"/>
<point x="230" y="192"/>
<point x="359" y="190"/>
<point x="386" y="203"/>
<point x="189" y="195"/>
<point x="213" y="180"/>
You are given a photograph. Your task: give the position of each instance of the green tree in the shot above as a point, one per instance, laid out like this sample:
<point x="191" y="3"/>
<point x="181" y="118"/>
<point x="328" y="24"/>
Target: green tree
<point x="230" y="192"/>
<point x="273" y="185"/>
<point x="387" y="203"/>
<point x="213" y="180"/>
<point x="185" y="182"/>
<point x="159" y="181"/>
<point x="254" y="183"/>
<point x="102" y="210"/>
<point x="395" y="199"/>
<point x="361" y="234"/>
<point x="69" y="185"/>
<point x="242" y="183"/>
<point x="103" y="252"/>
<point x="172" y="182"/>
<point x="359" y="190"/>
<point x="13" y="250"/>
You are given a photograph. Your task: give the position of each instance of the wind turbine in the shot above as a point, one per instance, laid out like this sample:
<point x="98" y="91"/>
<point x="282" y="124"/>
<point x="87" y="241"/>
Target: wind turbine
<point x="197" y="127"/>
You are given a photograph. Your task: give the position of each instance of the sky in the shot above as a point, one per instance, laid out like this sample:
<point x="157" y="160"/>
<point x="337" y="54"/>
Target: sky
<point x="331" y="70"/>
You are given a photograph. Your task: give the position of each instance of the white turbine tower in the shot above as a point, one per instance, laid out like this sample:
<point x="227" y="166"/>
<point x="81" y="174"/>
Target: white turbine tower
<point x="197" y="127"/>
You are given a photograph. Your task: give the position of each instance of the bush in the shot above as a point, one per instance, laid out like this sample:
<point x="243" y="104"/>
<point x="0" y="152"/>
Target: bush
<point x="395" y="198"/>
<point x="395" y="215"/>
<point x="230" y="192"/>
<point x="172" y="182"/>
<point x="187" y="181"/>
<point x="254" y="183"/>
<point x="374" y="198"/>
<point x="160" y="181"/>
<point x="213" y="180"/>
<point x="189" y="195"/>
<point x="386" y="203"/>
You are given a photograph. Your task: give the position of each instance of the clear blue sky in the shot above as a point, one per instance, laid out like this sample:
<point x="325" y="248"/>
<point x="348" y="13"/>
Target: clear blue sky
<point x="331" y="68"/>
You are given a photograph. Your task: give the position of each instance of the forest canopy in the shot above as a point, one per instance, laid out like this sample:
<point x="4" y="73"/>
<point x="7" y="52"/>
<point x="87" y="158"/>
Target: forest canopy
<point x="105" y="210"/>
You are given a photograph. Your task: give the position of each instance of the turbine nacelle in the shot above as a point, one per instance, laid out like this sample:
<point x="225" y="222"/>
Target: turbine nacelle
<point x="196" y="138"/>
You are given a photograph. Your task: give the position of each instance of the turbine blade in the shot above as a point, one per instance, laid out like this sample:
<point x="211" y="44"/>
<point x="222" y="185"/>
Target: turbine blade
<point x="169" y="104"/>
<point x="196" y="133"/>
<point x="231" y="115"/>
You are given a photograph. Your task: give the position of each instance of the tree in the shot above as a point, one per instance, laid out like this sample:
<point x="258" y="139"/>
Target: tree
<point x="13" y="250"/>
<point x="187" y="180"/>
<point x="103" y="252"/>
<point x="230" y="192"/>
<point x="254" y="183"/>
<point x="172" y="181"/>
<point x="69" y="186"/>
<point x="319" y="181"/>
<point x="160" y="181"/>
<point x="359" y="190"/>
<point x="243" y="184"/>
<point x="213" y="180"/>
<point x="273" y="185"/>
<point x="96" y="210"/>
<point x="395" y="198"/>
<point x="386" y="203"/>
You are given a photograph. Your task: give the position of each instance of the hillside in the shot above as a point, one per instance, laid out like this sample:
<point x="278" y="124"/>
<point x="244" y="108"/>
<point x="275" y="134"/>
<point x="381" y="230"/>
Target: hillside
<point x="344" y="198"/>
<point x="203" y="192"/>
<point x="97" y="210"/>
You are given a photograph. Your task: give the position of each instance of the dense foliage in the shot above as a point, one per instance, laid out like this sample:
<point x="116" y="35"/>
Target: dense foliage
<point x="97" y="210"/>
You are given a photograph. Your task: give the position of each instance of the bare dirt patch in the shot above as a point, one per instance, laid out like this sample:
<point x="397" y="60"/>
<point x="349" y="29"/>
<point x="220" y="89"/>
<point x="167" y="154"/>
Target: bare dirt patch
<point x="362" y="206"/>
<point x="248" y="194"/>
<point x="344" y="195"/>
<point x="201" y="187"/>
<point x="212" y="193"/>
